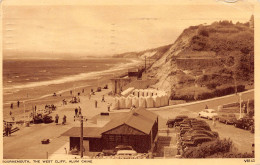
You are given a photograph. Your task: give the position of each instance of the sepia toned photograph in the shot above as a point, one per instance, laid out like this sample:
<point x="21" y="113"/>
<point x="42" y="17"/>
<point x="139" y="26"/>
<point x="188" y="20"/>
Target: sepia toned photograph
<point x="141" y="81"/>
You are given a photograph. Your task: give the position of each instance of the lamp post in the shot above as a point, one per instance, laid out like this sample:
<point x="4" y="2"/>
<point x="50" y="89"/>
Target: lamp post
<point x="81" y="136"/>
<point x="24" y="112"/>
<point x="240" y="108"/>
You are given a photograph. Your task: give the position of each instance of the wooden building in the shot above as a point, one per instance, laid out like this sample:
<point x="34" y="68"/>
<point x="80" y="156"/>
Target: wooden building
<point x="137" y="128"/>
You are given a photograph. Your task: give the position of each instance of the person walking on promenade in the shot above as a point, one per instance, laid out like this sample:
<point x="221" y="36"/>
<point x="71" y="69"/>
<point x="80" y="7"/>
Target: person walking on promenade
<point x="214" y="122"/>
<point x="103" y="99"/>
<point x="79" y="111"/>
<point x="64" y="119"/>
<point x="57" y="119"/>
<point x="89" y="96"/>
<point x="95" y="103"/>
<point x="12" y="106"/>
<point x="18" y="103"/>
<point x="76" y="112"/>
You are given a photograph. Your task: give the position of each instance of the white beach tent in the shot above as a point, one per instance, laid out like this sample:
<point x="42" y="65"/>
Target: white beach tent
<point x="122" y="103"/>
<point x="156" y="101"/>
<point x="136" y="92"/>
<point x="142" y="102"/>
<point x="135" y="101"/>
<point x="149" y="102"/>
<point x="128" y="102"/>
<point x="145" y="93"/>
<point x="115" y="105"/>
<point x="141" y="92"/>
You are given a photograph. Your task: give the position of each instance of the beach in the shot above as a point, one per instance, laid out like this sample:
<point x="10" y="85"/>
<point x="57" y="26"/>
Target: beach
<point x="40" y="93"/>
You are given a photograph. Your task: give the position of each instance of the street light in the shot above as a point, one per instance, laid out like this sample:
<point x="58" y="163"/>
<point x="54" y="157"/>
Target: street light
<point x="240" y="115"/>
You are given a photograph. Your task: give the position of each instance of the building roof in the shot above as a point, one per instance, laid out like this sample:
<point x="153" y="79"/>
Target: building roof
<point x="91" y="132"/>
<point x="140" y="119"/>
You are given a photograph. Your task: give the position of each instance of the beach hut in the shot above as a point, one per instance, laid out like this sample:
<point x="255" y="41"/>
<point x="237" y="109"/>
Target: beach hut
<point x="128" y="102"/>
<point x="135" y="102"/>
<point x="136" y="92"/>
<point x="141" y="93"/>
<point x="115" y="105"/>
<point x="142" y="102"/>
<point x="156" y="101"/>
<point x="122" y="103"/>
<point x="149" y="102"/>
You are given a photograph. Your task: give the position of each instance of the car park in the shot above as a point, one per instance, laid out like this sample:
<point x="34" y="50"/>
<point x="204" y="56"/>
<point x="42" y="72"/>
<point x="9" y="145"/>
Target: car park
<point x="179" y="118"/>
<point x="208" y="113"/>
<point x="227" y="118"/>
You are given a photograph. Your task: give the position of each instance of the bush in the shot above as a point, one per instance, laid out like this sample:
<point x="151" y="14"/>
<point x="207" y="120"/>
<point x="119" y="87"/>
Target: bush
<point x="208" y="149"/>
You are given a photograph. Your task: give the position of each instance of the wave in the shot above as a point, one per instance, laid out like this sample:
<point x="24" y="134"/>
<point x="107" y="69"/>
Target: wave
<point x="81" y="76"/>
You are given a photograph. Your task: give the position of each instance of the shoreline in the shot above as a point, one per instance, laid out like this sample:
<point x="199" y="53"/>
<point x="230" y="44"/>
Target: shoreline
<point x="62" y="90"/>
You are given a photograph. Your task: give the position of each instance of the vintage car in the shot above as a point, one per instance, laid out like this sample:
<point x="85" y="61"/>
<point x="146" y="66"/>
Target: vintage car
<point x="244" y="123"/>
<point x="208" y="113"/>
<point x="108" y="152"/>
<point x="206" y="132"/>
<point x="193" y="142"/>
<point x="179" y="118"/>
<point x="227" y="118"/>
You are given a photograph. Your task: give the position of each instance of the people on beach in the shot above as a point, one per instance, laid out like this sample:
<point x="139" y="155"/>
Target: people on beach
<point x="71" y="92"/>
<point x="35" y="108"/>
<point x="57" y="119"/>
<point x="108" y="107"/>
<point x="103" y="99"/>
<point x="10" y="113"/>
<point x="79" y="111"/>
<point x="8" y="129"/>
<point x="95" y="103"/>
<point x="78" y="100"/>
<point x="206" y="107"/>
<point x="18" y="103"/>
<point x="90" y="95"/>
<point x="76" y="112"/>
<point x="64" y="119"/>
<point x="82" y="90"/>
<point x="12" y="106"/>
<point x="214" y="122"/>
<point x="78" y="93"/>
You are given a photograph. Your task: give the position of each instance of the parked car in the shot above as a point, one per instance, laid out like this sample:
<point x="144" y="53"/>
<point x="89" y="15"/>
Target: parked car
<point x="227" y="118"/>
<point x="193" y="133"/>
<point x="208" y="113"/>
<point x="179" y="118"/>
<point x="197" y="140"/>
<point x="244" y="123"/>
<point x="108" y="152"/>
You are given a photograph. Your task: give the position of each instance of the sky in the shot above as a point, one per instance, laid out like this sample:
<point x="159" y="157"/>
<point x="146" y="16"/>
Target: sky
<point x="105" y="29"/>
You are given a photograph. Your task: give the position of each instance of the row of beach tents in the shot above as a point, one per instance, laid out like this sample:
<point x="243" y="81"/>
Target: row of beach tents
<point x="148" y="98"/>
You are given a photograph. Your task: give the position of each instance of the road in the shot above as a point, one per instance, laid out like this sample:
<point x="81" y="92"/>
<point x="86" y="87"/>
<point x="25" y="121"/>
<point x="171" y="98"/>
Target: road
<point x="26" y="143"/>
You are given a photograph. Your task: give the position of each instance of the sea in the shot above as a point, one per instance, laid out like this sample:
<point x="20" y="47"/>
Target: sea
<point x="35" y="79"/>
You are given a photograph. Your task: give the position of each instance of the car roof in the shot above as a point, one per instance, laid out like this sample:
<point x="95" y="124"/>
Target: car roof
<point x="126" y="151"/>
